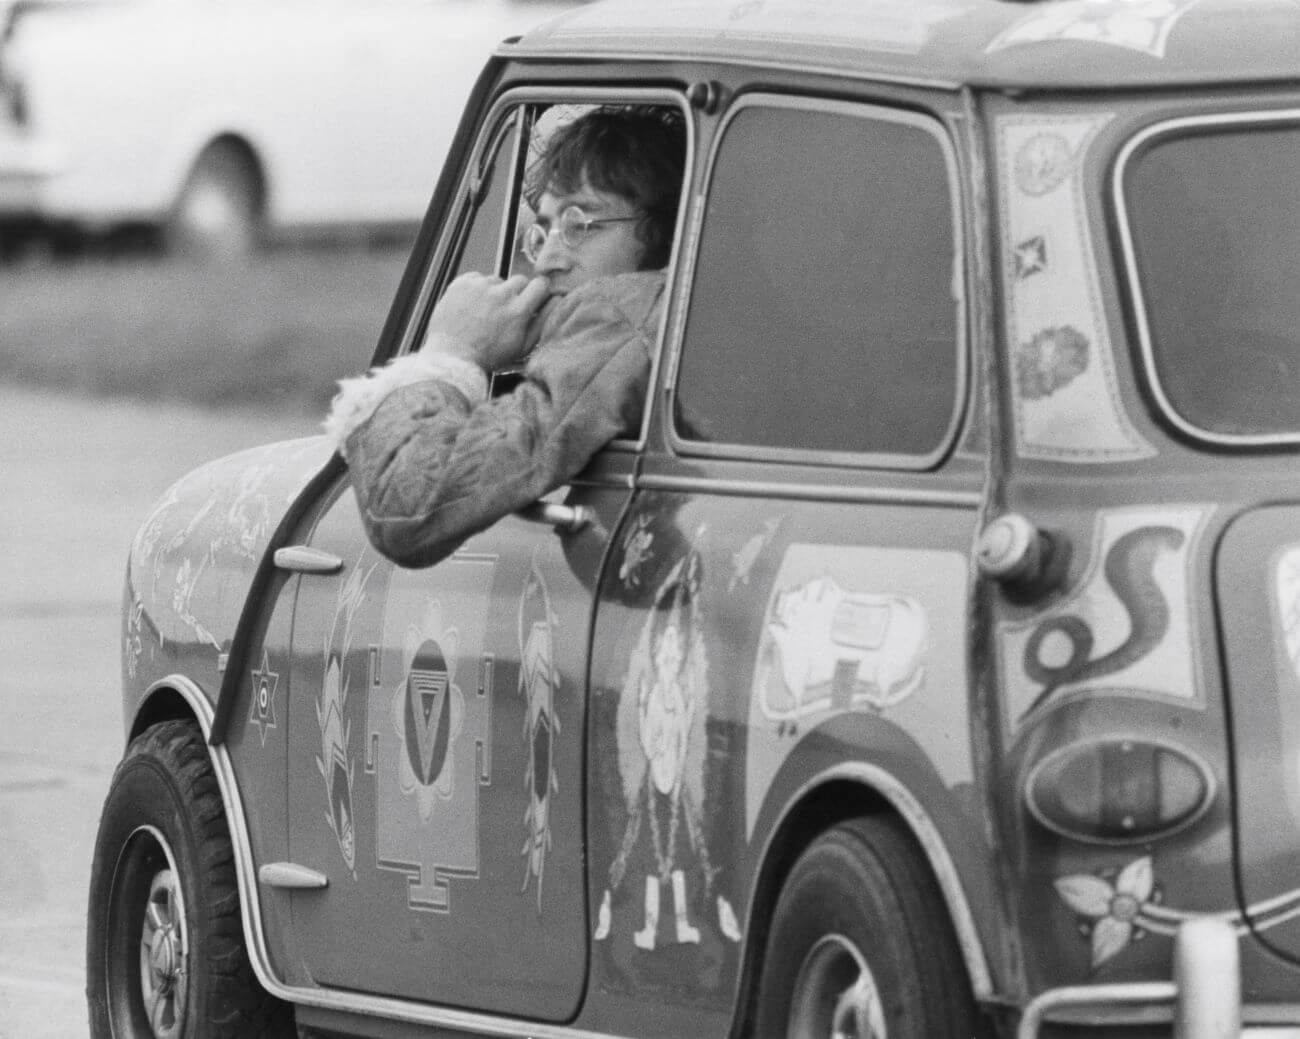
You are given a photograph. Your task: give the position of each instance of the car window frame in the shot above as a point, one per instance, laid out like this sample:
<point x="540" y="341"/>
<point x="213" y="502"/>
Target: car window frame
<point x="926" y="120"/>
<point x="1133" y="147"/>
<point x="453" y="231"/>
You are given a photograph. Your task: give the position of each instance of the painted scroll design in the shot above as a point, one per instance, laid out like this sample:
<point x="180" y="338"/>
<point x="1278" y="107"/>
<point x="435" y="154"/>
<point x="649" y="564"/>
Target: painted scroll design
<point x="1127" y="624"/>
<point x="1067" y="402"/>
<point x="1128" y="570"/>
<point x="1138" y="25"/>
<point x="221" y="514"/>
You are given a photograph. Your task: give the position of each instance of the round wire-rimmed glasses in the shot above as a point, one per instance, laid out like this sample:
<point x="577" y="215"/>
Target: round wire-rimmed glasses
<point x="574" y="227"/>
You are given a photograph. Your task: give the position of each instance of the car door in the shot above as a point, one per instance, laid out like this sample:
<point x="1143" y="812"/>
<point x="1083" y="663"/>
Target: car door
<point x="791" y="593"/>
<point x="436" y="754"/>
<point x="436" y="760"/>
<point x="444" y="708"/>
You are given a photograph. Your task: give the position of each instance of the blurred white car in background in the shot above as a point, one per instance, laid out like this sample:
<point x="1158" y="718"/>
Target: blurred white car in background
<point x="220" y="120"/>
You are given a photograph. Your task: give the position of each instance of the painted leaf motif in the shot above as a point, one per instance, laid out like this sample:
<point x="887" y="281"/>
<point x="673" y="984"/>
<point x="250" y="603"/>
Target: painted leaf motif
<point x="1109" y="936"/>
<point x="1086" y="894"/>
<point x="1137" y="879"/>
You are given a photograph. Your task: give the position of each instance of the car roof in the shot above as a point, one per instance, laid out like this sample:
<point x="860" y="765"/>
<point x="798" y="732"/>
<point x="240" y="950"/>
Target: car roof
<point x="1054" y="44"/>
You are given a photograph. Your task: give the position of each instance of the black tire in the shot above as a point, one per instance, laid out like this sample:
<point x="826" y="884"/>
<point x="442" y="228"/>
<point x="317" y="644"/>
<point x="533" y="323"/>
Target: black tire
<point x="218" y="213"/>
<point x="860" y="945"/>
<point x="165" y="955"/>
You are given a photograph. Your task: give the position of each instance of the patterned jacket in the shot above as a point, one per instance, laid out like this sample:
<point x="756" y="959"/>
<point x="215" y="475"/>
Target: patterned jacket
<point x="434" y="461"/>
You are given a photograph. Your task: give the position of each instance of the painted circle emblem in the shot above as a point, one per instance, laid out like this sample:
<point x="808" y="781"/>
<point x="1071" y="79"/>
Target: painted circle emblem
<point x="1043" y="163"/>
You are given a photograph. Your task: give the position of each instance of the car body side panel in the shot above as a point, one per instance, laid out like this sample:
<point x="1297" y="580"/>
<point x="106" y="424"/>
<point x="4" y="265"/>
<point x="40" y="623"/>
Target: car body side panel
<point x="255" y="742"/>
<point x="435" y="765"/>
<point x="743" y="646"/>
<point x="1119" y="661"/>
<point x="192" y="557"/>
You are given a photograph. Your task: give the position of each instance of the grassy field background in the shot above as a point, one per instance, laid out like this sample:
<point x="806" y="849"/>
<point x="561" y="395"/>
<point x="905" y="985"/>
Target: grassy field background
<point x="274" y="331"/>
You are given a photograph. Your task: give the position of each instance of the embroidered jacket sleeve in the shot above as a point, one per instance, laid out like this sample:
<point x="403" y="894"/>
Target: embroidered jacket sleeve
<point x="434" y="462"/>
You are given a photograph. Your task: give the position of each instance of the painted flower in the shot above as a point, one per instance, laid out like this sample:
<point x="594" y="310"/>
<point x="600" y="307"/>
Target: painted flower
<point x="1113" y="909"/>
<point x="1049" y="361"/>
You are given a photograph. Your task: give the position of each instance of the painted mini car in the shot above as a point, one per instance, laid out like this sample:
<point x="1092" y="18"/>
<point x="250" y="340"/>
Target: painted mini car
<point x="927" y="665"/>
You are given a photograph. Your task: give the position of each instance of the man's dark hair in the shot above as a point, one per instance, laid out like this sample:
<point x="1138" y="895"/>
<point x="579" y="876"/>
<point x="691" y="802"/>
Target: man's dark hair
<point x="637" y="152"/>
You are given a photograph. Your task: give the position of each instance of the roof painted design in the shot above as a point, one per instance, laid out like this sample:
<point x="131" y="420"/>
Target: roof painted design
<point x="1086" y="44"/>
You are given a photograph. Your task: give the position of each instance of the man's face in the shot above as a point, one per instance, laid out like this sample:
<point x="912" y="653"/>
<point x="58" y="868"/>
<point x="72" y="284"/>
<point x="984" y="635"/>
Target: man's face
<point x="605" y="249"/>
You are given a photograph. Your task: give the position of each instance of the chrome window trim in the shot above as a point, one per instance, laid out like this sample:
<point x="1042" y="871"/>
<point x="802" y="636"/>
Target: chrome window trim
<point x="1165" y="128"/>
<point x="259" y="956"/>
<point x="491" y="125"/>
<point x="954" y="499"/>
<point x="960" y="301"/>
<point x="923" y="828"/>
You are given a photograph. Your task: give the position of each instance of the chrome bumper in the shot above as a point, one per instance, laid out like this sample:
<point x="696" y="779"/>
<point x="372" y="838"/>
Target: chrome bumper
<point x="1203" y="1001"/>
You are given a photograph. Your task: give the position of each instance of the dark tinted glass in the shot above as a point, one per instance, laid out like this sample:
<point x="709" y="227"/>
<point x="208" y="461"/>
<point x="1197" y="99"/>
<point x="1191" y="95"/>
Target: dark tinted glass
<point x="484" y="235"/>
<point x="823" y="314"/>
<point x="1216" y="230"/>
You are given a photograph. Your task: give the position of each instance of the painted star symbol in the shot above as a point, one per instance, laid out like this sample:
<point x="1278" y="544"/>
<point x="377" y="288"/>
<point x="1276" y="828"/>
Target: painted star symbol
<point x="265" y="682"/>
<point x="1031" y="257"/>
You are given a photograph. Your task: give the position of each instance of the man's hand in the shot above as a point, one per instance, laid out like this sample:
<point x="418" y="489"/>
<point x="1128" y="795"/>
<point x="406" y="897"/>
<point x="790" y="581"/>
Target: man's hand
<point x="483" y="319"/>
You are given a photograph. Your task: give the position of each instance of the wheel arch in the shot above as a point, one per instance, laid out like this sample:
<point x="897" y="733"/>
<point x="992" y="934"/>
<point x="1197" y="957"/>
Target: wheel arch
<point x="243" y="146"/>
<point x="235" y="142"/>
<point x="840" y="793"/>
<point x="163" y="702"/>
<point x="185" y="142"/>
<point x="178" y="697"/>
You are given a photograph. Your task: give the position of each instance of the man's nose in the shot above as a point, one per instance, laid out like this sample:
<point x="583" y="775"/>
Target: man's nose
<point x="553" y="257"/>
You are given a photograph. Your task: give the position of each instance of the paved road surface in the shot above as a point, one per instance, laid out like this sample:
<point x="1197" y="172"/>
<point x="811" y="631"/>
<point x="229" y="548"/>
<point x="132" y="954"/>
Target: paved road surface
<point x="78" y="476"/>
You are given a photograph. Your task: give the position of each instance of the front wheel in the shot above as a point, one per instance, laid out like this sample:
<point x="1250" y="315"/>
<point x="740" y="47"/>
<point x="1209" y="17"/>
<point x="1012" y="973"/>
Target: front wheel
<point x="860" y="945"/>
<point x="165" y="956"/>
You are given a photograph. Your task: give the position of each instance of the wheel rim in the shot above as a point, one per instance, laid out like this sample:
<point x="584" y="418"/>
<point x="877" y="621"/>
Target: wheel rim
<point x="163" y="980"/>
<point x="148" y="949"/>
<point x="835" y="994"/>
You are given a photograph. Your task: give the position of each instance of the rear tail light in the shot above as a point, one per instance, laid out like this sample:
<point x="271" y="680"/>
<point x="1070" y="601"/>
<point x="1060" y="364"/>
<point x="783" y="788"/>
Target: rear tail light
<point x="1116" y="790"/>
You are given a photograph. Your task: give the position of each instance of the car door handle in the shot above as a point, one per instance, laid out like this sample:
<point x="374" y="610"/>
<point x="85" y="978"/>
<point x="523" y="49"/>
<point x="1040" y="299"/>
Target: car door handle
<point x="291" y="876"/>
<point x="567" y="518"/>
<point x="304" y="559"/>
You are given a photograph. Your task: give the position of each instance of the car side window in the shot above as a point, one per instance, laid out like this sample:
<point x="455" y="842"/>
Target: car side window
<point x="826" y="311"/>
<point x="481" y="249"/>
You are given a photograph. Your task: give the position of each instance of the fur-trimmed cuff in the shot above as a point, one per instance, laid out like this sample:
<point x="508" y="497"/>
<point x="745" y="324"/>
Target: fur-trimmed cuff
<point x="358" y="397"/>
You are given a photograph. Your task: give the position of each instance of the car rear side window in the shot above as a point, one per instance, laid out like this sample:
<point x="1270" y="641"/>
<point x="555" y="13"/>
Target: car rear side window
<point x="825" y="313"/>
<point x="1213" y="220"/>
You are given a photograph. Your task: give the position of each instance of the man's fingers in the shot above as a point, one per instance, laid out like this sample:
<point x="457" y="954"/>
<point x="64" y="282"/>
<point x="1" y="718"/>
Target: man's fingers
<point x="534" y="294"/>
